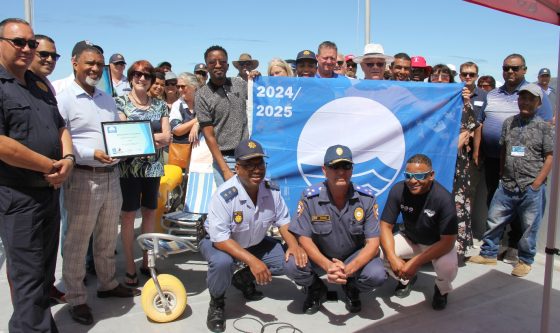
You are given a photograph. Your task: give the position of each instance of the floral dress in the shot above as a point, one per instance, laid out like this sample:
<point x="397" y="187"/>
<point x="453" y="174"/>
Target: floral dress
<point x="150" y="166"/>
<point x="462" y="186"/>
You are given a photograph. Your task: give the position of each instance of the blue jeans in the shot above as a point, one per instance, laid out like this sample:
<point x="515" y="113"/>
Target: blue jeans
<point x="221" y="264"/>
<point x="528" y="206"/>
<point x="218" y="176"/>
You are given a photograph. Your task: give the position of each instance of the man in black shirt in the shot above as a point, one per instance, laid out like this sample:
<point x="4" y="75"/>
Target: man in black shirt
<point x="428" y="233"/>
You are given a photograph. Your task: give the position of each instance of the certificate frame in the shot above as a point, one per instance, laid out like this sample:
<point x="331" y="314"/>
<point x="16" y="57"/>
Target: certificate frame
<point x="128" y="138"/>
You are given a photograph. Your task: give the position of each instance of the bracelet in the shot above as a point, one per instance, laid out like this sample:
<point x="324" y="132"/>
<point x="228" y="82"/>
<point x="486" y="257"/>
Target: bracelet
<point x="70" y="157"/>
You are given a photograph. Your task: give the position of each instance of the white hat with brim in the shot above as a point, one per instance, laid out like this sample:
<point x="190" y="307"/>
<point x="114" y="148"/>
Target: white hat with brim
<point x="373" y="51"/>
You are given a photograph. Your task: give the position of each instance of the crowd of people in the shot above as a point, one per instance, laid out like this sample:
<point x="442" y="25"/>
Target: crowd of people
<point x="57" y="179"/>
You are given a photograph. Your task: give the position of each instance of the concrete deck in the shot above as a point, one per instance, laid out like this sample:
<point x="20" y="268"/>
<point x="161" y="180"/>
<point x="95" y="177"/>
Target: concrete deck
<point x="485" y="299"/>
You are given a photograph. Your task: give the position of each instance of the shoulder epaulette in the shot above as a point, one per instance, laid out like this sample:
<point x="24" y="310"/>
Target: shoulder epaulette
<point x="229" y="194"/>
<point x="312" y="191"/>
<point x="269" y="184"/>
<point x="364" y="190"/>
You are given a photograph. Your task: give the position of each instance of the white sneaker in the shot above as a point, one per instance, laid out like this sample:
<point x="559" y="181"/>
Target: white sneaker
<point x="511" y="256"/>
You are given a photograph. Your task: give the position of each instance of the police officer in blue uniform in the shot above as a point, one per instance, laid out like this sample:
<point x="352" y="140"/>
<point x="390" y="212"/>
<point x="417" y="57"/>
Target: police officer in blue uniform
<point x="35" y="159"/>
<point x="337" y="226"/>
<point x="241" y="211"/>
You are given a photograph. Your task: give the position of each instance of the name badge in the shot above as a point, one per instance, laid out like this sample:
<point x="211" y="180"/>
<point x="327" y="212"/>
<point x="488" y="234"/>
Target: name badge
<point x="320" y="218"/>
<point x="518" y="151"/>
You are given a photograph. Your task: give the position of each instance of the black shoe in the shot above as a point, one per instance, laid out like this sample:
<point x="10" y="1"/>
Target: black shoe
<point x="245" y="281"/>
<point x="402" y="290"/>
<point x="316" y="295"/>
<point x="119" y="291"/>
<point x="440" y="301"/>
<point x="461" y="259"/>
<point x="352" y="298"/>
<point x="81" y="314"/>
<point x="216" y="319"/>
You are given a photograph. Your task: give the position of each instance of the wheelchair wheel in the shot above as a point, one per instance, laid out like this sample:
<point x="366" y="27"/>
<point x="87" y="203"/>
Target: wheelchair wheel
<point x="175" y="294"/>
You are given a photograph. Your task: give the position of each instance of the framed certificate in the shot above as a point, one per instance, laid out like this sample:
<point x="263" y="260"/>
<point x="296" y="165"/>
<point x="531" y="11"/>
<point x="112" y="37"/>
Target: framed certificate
<point x="128" y="138"/>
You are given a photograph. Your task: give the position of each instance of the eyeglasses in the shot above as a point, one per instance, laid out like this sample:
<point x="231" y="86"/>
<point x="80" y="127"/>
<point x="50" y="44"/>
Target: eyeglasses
<point x="340" y="63"/>
<point x="170" y="83"/>
<point x="244" y="63"/>
<point x="21" y="42"/>
<point x="513" y="68"/>
<point x="252" y="166"/>
<point x="45" y="54"/>
<point x="436" y="77"/>
<point x="377" y="64"/>
<point x="137" y="75"/>
<point x="468" y="74"/>
<point x="417" y="175"/>
<point x="120" y="63"/>
<point x="181" y="86"/>
<point x="345" y="166"/>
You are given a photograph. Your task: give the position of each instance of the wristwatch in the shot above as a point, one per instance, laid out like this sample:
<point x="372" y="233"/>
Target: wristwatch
<point x="70" y="157"/>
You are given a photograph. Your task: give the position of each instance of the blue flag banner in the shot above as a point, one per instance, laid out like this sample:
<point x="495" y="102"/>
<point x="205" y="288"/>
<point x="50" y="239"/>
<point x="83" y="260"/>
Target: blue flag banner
<point x="383" y="122"/>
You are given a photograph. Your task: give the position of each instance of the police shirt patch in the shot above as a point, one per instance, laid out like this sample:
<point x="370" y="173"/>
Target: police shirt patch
<point x="359" y="214"/>
<point x="271" y="185"/>
<point x="238" y="217"/>
<point x="229" y="194"/>
<point x="320" y="218"/>
<point x="300" y="208"/>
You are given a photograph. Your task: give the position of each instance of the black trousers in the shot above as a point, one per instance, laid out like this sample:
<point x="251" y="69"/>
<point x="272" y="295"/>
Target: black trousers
<point x="492" y="174"/>
<point x="29" y="227"/>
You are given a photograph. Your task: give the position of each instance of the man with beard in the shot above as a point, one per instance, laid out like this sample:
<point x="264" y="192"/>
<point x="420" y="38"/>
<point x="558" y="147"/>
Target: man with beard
<point x="35" y="159"/>
<point x="220" y="107"/>
<point x="92" y="196"/>
<point x="240" y="214"/>
<point x="428" y="232"/>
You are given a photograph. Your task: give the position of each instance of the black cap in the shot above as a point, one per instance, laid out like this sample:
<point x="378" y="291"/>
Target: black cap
<point x="306" y="54"/>
<point x="248" y="149"/>
<point x="164" y="63"/>
<point x="84" y="44"/>
<point x="117" y="57"/>
<point x="544" y="71"/>
<point x="336" y="154"/>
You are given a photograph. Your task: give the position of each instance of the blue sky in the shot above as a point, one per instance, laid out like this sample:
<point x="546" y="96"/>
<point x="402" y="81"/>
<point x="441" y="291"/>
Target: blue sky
<point x="443" y="31"/>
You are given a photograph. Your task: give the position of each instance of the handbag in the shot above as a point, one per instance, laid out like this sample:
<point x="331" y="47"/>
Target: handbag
<point x="180" y="155"/>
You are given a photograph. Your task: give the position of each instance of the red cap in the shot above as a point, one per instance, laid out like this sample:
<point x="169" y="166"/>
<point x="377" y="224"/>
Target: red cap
<point x="348" y="57"/>
<point x="418" y="61"/>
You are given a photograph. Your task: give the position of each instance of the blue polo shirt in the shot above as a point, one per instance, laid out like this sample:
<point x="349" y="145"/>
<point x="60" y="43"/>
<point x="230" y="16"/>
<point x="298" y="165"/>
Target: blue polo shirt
<point x="500" y="105"/>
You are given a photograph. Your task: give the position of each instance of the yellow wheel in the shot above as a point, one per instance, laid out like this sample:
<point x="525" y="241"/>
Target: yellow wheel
<point x="174" y="292"/>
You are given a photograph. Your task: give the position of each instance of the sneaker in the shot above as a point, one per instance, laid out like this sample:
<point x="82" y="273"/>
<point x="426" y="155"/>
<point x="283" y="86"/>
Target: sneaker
<point x="521" y="269"/>
<point x="478" y="259"/>
<point x="439" y="302"/>
<point x="403" y="290"/>
<point x="510" y="257"/>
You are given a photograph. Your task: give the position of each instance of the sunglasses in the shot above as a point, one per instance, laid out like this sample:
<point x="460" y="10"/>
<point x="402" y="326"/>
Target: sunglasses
<point x="513" y="68"/>
<point x="181" y="86"/>
<point x="468" y="74"/>
<point x="120" y="63"/>
<point x="435" y="77"/>
<point x="377" y="64"/>
<point x="417" y="175"/>
<point x="345" y="166"/>
<point x="138" y="75"/>
<point x="244" y="63"/>
<point x="45" y="54"/>
<point x="170" y="83"/>
<point x="353" y="65"/>
<point x="340" y="63"/>
<point x="21" y="42"/>
<point x="252" y="166"/>
<point x="201" y="73"/>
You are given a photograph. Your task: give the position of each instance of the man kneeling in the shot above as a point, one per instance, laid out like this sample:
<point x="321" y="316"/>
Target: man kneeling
<point x="241" y="212"/>
<point x="337" y="226"/>
<point x="429" y="232"/>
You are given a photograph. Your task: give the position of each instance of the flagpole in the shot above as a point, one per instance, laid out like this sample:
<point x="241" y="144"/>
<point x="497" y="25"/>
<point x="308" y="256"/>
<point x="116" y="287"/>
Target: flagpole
<point x="28" y="9"/>
<point x="367" y="23"/>
<point x="550" y="248"/>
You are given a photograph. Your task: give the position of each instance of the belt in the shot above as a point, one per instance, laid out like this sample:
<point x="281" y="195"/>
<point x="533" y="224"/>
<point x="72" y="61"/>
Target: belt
<point x="97" y="169"/>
